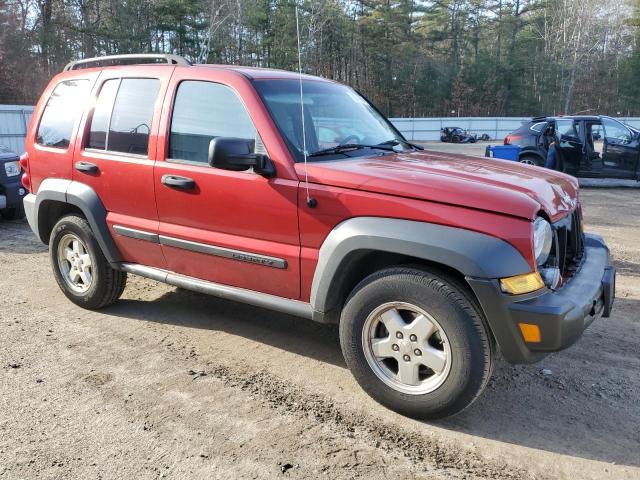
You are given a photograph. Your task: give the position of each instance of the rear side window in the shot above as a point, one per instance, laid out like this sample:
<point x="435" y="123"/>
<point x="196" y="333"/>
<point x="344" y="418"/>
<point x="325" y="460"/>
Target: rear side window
<point x="122" y="118"/>
<point x="567" y="128"/>
<point x="63" y="109"/>
<point x="203" y="111"/>
<point x="102" y="115"/>
<point x="537" y="127"/>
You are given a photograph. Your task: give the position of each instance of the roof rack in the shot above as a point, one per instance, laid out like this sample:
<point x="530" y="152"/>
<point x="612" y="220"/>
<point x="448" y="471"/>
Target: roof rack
<point x="130" y="59"/>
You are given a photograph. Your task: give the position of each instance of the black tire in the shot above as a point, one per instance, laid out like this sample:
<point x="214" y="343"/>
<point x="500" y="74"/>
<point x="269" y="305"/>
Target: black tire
<point x="14" y="213"/>
<point x="106" y="285"/>
<point x="531" y="160"/>
<point x="472" y="347"/>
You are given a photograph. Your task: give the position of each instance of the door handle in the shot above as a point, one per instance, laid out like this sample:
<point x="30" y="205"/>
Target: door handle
<point x="87" y="167"/>
<point x="175" y="181"/>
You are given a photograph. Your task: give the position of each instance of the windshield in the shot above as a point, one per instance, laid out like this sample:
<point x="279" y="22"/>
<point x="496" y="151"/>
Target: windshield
<point x="335" y="115"/>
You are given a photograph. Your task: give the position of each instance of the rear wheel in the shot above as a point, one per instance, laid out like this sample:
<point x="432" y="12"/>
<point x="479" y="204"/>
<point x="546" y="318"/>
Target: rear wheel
<point x="532" y="160"/>
<point x="416" y="342"/>
<point x="79" y="266"/>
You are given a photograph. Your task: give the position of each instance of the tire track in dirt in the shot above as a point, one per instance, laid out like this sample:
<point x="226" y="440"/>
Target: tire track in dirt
<point x="281" y="396"/>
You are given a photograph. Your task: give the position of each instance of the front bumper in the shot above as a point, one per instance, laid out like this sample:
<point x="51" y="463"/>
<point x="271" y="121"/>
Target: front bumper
<point x="11" y="192"/>
<point x="560" y="315"/>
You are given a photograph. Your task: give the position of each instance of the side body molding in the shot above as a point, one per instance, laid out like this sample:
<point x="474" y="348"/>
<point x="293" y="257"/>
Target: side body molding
<point x="81" y="196"/>
<point x="471" y="253"/>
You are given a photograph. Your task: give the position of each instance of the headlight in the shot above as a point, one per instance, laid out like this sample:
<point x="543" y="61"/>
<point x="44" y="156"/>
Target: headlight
<point x="542" y="239"/>
<point x="12" y="169"/>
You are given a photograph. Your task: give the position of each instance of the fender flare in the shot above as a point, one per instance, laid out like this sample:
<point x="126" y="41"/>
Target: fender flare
<point x="86" y="199"/>
<point x="471" y="253"/>
<point x="531" y="153"/>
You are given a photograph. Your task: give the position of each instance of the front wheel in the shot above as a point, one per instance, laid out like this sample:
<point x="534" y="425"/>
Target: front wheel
<point x="14" y="213"/>
<point x="416" y="342"/>
<point x="79" y="266"/>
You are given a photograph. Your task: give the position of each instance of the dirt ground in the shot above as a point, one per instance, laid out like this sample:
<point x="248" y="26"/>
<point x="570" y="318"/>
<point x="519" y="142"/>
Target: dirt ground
<point x="170" y="384"/>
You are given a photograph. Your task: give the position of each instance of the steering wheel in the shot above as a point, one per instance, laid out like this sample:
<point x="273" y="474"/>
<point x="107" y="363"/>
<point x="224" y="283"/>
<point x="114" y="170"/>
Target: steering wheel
<point x="349" y="139"/>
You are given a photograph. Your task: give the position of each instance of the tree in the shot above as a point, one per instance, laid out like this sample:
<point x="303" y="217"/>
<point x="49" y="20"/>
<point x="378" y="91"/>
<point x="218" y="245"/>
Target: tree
<point x="410" y="57"/>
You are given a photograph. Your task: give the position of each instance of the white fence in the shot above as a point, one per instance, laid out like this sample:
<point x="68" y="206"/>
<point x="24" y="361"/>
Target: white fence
<point x="425" y="129"/>
<point x="14" y="120"/>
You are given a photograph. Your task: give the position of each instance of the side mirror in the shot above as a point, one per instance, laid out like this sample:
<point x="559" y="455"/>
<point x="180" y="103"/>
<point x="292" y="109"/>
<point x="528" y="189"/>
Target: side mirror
<point x="235" y="154"/>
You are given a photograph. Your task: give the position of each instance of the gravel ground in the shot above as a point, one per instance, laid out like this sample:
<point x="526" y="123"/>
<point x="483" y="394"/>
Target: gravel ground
<point x="170" y="384"/>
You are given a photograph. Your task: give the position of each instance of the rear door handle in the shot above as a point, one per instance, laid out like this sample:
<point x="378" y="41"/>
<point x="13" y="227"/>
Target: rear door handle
<point x="175" y="181"/>
<point x="87" y="167"/>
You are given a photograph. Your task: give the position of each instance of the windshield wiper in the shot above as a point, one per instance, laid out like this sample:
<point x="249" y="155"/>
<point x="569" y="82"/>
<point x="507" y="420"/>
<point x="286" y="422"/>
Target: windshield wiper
<point x="348" y="147"/>
<point x="393" y="142"/>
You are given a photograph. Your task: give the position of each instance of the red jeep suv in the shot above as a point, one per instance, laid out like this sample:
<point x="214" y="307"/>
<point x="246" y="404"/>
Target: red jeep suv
<point x="294" y="193"/>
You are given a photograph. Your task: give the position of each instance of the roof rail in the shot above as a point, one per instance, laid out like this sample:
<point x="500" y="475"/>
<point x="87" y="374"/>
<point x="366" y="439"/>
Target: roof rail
<point x="130" y="59"/>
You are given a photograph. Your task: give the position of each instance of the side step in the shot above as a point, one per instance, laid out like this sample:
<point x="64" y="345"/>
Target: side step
<point x="258" y="299"/>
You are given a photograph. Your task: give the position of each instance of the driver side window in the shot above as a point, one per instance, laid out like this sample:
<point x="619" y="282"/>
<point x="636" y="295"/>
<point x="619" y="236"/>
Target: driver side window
<point x="616" y="132"/>
<point x="202" y="112"/>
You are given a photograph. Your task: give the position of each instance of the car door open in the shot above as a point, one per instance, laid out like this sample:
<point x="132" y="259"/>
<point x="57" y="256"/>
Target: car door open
<point x="620" y="151"/>
<point x="570" y="143"/>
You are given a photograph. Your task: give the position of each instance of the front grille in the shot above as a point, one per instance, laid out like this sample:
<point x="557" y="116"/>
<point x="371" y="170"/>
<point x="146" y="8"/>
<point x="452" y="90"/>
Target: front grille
<point x="569" y="244"/>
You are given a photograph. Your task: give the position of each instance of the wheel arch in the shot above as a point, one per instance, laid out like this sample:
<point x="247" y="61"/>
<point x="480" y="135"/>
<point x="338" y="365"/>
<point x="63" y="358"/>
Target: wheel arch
<point x="363" y="245"/>
<point x="58" y="197"/>
<point x="531" y="153"/>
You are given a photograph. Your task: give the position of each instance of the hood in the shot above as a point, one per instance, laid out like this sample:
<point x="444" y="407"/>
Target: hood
<point x="488" y="184"/>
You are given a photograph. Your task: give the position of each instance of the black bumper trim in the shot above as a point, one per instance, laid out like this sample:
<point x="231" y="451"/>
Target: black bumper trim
<point x="12" y="191"/>
<point x="561" y="315"/>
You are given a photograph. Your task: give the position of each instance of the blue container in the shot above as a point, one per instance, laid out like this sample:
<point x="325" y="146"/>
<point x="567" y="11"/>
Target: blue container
<point x="505" y="152"/>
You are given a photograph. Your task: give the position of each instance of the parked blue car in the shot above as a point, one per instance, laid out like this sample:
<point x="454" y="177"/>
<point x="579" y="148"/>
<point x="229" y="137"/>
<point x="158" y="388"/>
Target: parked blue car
<point x="11" y="189"/>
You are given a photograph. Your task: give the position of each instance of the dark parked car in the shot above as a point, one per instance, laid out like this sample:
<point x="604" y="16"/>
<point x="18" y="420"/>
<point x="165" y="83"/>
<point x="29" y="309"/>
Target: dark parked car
<point x="457" y="135"/>
<point x="11" y="190"/>
<point x="591" y="146"/>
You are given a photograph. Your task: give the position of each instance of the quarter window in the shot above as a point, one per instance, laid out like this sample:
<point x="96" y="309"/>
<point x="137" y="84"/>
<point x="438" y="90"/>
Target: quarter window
<point x="123" y="115"/>
<point x="537" y="127"/>
<point x="63" y="109"/>
<point x="203" y="111"/>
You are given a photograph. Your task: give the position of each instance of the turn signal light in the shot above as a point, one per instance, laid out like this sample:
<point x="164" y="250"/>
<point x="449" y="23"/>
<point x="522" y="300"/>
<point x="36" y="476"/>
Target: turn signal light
<point x="528" y="282"/>
<point x="530" y="332"/>
<point x="24" y="161"/>
<point x="512" y="139"/>
<point x="26" y="177"/>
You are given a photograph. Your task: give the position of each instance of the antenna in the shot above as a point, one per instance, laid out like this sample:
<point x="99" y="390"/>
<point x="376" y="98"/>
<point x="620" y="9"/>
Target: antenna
<point x="311" y="202"/>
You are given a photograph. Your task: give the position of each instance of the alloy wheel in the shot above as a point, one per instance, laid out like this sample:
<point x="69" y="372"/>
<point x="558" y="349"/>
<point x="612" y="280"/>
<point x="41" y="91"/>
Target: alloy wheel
<point x="406" y="348"/>
<point x="75" y="263"/>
